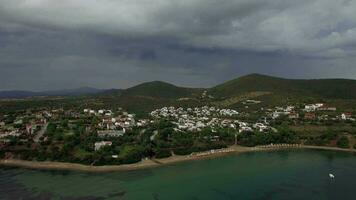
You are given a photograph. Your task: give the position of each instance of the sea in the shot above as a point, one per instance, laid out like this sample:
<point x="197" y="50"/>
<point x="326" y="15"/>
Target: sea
<point x="281" y="174"/>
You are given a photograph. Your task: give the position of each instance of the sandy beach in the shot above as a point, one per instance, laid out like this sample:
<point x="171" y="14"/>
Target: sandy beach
<point x="149" y="163"/>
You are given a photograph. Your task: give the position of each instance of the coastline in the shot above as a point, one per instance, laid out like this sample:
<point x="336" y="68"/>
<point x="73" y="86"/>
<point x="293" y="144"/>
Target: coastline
<point x="150" y="163"/>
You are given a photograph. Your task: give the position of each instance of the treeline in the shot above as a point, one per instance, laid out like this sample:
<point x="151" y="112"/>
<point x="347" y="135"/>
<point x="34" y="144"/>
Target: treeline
<point x="283" y="135"/>
<point x="159" y="140"/>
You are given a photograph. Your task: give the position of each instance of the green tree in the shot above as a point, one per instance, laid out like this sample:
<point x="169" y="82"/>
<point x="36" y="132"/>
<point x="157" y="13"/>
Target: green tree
<point x="343" y="142"/>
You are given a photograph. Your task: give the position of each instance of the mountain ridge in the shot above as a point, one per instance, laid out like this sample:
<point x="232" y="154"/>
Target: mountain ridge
<point x="325" y="88"/>
<point x="63" y="92"/>
<point x="329" y="88"/>
<point x="160" y="89"/>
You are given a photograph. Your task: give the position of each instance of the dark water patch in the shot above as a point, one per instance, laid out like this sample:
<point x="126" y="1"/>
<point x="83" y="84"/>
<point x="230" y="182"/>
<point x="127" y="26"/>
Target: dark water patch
<point x="155" y="196"/>
<point x="11" y="189"/>
<point x="117" y="194"/>
<point x="82" y="198"/>
<point x="222" y="194"/>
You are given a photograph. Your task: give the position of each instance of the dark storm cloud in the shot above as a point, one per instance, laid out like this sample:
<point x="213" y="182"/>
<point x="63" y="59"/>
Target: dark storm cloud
<point x="47" y="44"/>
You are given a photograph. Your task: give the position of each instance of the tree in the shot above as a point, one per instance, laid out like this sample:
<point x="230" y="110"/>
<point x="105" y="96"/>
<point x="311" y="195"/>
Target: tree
<point x="162" y="153"/>
<point x="343" y="142"/>
<point x="131" y="154"/>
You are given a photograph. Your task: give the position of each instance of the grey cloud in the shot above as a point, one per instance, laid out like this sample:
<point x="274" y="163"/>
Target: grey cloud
<point x="296" y="26"/>
<point x="48" y="44"/>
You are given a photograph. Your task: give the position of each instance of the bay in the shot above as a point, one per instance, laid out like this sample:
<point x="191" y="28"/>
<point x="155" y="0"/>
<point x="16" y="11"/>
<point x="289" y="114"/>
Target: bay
<point x="285" y="174"/>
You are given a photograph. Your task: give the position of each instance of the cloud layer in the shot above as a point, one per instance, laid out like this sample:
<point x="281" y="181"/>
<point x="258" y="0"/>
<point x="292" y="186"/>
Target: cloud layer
<point x="180" y="41"/>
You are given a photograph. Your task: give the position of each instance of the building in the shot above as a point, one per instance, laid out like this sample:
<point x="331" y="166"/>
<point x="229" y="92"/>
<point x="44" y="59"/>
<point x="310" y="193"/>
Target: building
<point x="346" y="116"/>
<point x="111" y="133"/>
<point x="310" y="116"/>
<point x="29" y="129"/>
<point x="245" y="129"/>
<point x="313" y="107"/>
<point x="260" y="127"/>
<point x="293" y="115"/>
<point x="99" y="145"/>
<point x="326" y="108"/>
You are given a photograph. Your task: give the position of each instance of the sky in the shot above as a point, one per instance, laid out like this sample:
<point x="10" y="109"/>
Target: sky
<point x="51" y="44"/>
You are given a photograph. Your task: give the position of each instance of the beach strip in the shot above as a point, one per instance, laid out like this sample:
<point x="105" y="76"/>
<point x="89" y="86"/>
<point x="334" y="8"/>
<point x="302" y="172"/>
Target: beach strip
<point x="149" y="163"/>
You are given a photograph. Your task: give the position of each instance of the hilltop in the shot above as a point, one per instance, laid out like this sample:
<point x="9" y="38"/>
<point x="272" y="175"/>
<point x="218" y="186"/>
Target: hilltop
<point x="324" y="88"/>
<point x="252" y="83"/>
<point x="271" y="91"/>
<point x="159" y="89"/>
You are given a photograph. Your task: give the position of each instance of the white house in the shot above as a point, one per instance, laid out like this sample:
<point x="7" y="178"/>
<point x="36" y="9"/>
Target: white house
<point x="98" y="145"/>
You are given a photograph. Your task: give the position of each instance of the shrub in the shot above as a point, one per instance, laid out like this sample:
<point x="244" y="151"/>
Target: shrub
<point x="163" y="153"/>
<point x="183" y="151"/>
<point x="343" y="142"/>
<point x="131" y="154"/>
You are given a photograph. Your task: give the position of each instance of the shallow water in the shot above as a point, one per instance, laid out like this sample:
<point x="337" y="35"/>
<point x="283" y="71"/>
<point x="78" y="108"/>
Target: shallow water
<point x="293" y="174"/>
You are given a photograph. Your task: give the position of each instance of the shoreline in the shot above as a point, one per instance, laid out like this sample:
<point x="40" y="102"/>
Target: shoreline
<point x="150" y="163"/>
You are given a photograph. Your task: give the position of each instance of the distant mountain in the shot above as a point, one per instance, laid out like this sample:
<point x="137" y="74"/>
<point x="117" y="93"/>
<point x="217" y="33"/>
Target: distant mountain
<point x="159" y="89"/>
<point x="112" y="91"/>
<point x="326" y="88"/>
<point x="248" y="86"/>
<point x="17" y="94"/>
<point x="65" y="92"/>
<point x="73" y="92"/>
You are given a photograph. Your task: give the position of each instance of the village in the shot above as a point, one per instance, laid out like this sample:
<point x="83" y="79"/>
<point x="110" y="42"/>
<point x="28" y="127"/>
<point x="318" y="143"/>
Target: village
<point x="32" y="126"/>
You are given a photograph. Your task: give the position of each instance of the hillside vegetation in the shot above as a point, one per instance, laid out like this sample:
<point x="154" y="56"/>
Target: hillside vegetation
<point x="271" y="91"/>
<point x="325" y="88"/>
<point x="159" y="89"/>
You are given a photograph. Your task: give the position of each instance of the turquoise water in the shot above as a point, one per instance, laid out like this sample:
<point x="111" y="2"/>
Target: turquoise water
<point x="294" y="174"/>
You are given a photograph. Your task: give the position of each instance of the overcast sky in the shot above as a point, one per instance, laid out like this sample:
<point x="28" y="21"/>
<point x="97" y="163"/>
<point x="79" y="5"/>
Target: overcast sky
<point x="51" y="44"/>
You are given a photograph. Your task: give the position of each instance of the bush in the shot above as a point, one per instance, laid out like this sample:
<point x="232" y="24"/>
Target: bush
<point x="183" y="151"/>
<point x="343" y="142"/>
<point x="215" y="146"/>
<point x="131" y="154"/>
<point x="257" y="138"/>
<point x="163" y="153"/>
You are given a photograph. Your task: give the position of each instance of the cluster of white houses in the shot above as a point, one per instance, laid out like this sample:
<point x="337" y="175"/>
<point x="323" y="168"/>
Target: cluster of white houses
<point x="310" y="112"/>
<point x="280" y="111"/>
<point x="196" y="119"/>
<point x="198" y="112"/>
<point x="98" y="112"/>
<point x="116" y="124"/>
<point x="112" y="125"/>
<point x="318" y="107"/>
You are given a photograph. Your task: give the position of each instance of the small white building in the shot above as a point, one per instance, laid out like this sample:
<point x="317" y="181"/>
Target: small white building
<point x="245" y="129"/>
<point x="260" y="127"/>
<point x="99" y="145"/>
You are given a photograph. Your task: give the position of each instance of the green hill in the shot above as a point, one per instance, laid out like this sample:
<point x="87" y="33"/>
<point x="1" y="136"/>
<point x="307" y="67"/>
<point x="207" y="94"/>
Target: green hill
<point x="159" y="89"/>
<point x="143" y="98"/>
<point x="324" y="88"/>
